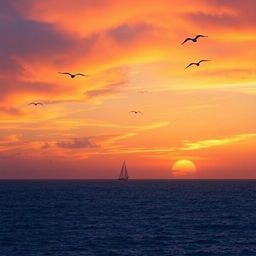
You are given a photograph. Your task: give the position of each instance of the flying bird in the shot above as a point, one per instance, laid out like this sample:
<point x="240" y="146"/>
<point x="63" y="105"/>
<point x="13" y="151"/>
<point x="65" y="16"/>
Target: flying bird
<point x="36" y="103"/>
<point x="143" y="91"/>
<point x="196" y="63"/>
<point x="193" y="39"/>
<point x="72" y="75"/>
<point x="136" y="112"/>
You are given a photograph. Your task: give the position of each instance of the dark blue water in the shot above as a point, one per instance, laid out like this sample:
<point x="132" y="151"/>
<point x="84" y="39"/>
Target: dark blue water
<point x="84" y="218"/>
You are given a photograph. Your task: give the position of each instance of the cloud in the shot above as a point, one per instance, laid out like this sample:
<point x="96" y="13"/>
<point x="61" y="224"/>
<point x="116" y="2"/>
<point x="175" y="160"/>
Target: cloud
<point x="62" y="101"/>
<point x="46" y="145"/>
<point x="70" y="16"/>
<point x="7" y="10"/>
<point x="126" y="33"/>
<point x="31" y="38"/>
<point x="236" y="14"/>
<point x="11" y="138"/>
<point x="85" y="142"/>
<point x="107" y="89"/>
<point x="11" y="111"/>
<point x="13" y="88"/>
<point x="216" y="142"/>
<point x="225" y="20"/>
<point x="26" y="42"/>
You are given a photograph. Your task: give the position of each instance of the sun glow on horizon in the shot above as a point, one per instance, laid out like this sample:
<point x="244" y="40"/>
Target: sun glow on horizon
<point x="183" y="168"/>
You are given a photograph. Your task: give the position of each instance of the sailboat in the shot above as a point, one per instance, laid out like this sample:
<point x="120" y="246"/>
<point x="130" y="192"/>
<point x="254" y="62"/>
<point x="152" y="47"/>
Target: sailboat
<point x="123" y="174"/>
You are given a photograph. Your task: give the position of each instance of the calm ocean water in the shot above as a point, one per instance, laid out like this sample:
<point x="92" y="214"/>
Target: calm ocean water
<point x="87" y="218"/>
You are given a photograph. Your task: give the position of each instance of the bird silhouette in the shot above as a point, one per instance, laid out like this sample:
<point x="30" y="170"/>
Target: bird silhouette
<point x="72" y="75"/>
<point x="193" y="39"/>
<point x="196" y="63"/>
<point x="136" y="112"/>
<point x="36" y="103"/>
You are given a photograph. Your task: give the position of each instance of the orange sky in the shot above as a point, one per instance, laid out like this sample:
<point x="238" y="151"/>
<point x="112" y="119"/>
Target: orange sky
<point x="203" y="114"/>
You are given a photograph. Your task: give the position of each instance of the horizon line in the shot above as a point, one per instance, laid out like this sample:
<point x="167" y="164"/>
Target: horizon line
<point x="138" y="179"/>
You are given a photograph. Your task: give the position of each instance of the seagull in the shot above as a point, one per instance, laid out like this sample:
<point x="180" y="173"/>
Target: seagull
<point x="72" y="75"/>
<point x="36" y="103"/>
<point x="193" y="39"/>
<point x="136" y="112"/>
<point x="196" y="63"/>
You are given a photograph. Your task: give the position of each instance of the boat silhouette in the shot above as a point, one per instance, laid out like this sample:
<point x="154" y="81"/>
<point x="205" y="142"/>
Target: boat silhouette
<point x="123" y="174"/>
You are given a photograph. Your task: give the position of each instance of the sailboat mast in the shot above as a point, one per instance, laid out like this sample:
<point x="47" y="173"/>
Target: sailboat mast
<point x="126" y="172"/>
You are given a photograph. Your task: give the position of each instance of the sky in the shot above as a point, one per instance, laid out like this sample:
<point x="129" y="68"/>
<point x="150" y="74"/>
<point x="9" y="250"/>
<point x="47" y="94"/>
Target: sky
<point x="134" y="59"/>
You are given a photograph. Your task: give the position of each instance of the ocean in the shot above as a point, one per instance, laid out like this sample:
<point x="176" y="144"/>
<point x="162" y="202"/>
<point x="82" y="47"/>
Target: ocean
<point x="137" y="217"/>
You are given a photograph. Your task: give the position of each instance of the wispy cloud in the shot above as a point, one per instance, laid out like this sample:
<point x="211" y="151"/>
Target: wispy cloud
<point x="216" y="142"/>
<point x="109" y="88"/>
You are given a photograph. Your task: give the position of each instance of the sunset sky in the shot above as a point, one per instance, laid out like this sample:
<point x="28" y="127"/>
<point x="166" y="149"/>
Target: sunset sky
<point x="205" y="114"/>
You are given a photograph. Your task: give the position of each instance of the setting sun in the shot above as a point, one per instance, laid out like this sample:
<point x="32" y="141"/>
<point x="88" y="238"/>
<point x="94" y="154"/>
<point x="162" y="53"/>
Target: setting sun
<point x="183" y="167"/>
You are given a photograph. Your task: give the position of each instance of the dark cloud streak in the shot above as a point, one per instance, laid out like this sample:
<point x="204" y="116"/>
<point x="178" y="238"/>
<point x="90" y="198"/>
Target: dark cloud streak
<point x="128" y="33"/>
<point x="76" y="143"/>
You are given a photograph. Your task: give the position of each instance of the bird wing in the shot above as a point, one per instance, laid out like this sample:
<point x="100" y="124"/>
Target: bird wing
<point x="36" y="103"/>
<point x="187" y="39"/>
<point x="190" y="65"/>
<point x="199" y="36"/>
<point x="80" y="74"/>
<point x="203" y="61"/>
<point x="140" y="112"/>
<point x="132" y="111"/>
<point x="65" y="73"/>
